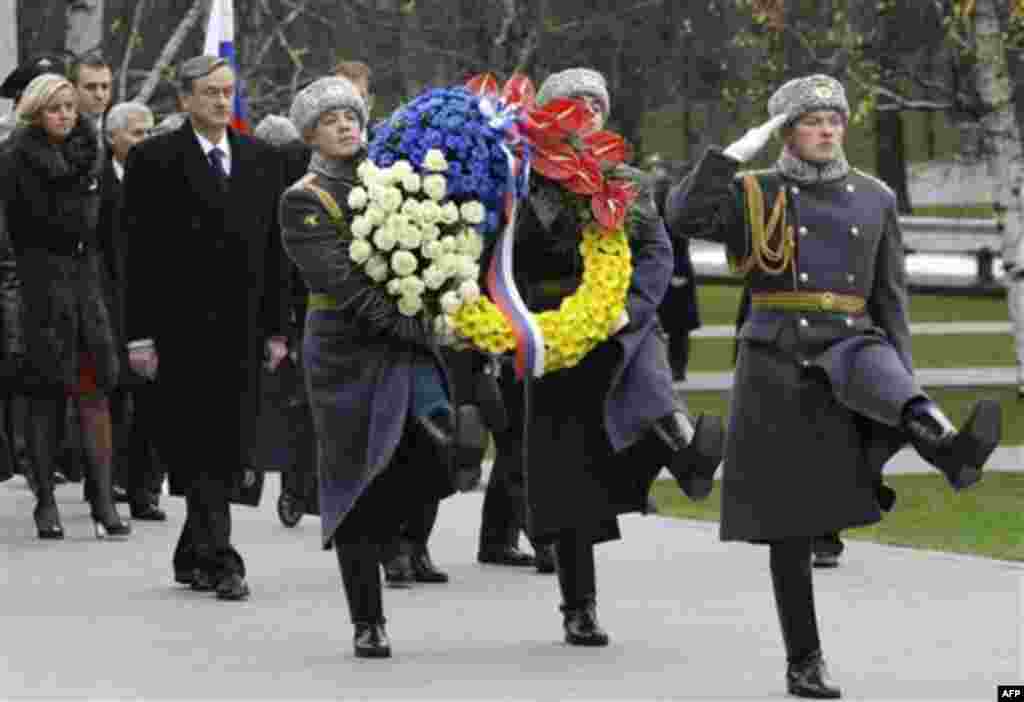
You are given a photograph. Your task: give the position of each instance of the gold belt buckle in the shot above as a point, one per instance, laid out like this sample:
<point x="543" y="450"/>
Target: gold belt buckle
<point x="828" y="301"/>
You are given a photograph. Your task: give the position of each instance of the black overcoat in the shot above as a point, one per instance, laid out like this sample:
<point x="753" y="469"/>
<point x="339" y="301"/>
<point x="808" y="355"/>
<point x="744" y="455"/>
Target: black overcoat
<point x="810" y="424"/>
<point x="590" y="455"/>
<point x="204" y="280"/>
<point x="358" y="363"/>
<point x="52" y="202"/>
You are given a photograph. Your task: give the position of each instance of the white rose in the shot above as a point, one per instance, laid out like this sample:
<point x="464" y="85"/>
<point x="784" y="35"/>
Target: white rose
<point x="377" y="268"/>
<point x="360" y="251"/>
<point x="404" y="263"/>
<point x="448" y="244"/>
<point x="376" y="214"/>
<point x="430" y="212"/>
<point x="467" y="269"/>
<point x="357" y="198"/>
<point x="392" y="201"/>
<point x="410" y="237"/>
<point x="435" y="186"/>
<point x="470" y="291"/>
<point x="431" y="232"/>
<point x="361" y="227"/>
<point x="396" y="222"/>
<point x="473" y="244"/>
<point x="412" y="183"/>
<point x="376" y="192"/>
<point x="395" y="287"/>
<point x="411" y="285"/>
<point x="432" y="250"/>
<point x="433" y="278"/>
<point x="402" y="168"/>
<point x="385" y="239"/>
<point x="451" y="301"/>
<point x="409" y="306"/>
<point x="473" y="212"/>
<point x="435" y="161"/>
<point x="367" y="171"/>
<point x="449" y="264"/>
<point x="450" y="213"/>
<point x="442" y="327"/>
<point x="411" y="209"/>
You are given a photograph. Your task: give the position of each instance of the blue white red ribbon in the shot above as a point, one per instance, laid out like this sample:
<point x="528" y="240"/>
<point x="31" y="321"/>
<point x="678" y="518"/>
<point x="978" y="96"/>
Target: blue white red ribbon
<point x="501" y="278"/>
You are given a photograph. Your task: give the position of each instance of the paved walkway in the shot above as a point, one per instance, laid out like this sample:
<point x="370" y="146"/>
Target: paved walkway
<point x="690" y="618"/>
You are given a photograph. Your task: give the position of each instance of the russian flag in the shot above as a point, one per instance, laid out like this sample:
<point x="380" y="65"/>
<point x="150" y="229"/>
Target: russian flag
<point x="220" y="41"/>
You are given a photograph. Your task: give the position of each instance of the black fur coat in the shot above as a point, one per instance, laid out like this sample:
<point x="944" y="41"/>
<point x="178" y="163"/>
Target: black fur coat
<point x="52" y="196"/>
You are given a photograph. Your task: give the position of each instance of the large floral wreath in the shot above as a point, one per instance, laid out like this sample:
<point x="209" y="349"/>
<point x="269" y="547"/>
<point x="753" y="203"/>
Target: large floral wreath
<point x="490" y="143"/>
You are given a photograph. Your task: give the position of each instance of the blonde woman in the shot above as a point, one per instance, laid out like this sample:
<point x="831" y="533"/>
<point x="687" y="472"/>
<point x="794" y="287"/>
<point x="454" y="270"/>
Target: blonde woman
<point x="51" y="186"/>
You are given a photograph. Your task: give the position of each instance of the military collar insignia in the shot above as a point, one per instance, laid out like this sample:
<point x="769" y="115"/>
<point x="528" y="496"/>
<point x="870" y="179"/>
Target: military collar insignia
<point x="311" y="220"/>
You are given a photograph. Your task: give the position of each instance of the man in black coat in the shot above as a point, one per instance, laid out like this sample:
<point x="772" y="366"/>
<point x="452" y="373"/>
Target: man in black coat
<point x="204" y="307"/>
<point x="136" y="467"/>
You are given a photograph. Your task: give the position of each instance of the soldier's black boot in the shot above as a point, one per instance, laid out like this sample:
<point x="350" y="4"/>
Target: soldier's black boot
<point x="960" y="455"/>
<point x="810" y="679"/>
<point x="696" y="451"/>
<point x="461" y="441"/>
<point x="576" y="579"/>
<point x="360" y="574"/>
<point x="806" y="675"/>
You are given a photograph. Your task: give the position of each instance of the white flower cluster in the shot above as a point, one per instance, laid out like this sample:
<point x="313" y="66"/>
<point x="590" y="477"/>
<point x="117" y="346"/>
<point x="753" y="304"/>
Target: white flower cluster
<point x="424" y="249"/>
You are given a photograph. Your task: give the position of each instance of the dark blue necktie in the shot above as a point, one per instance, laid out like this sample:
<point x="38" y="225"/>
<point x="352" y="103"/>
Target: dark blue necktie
<point x="217" y="162"/>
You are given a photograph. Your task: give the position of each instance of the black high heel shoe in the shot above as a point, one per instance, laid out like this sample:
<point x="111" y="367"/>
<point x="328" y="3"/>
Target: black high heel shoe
<point x="48" y="521"/>
<point x="111" y="525"/>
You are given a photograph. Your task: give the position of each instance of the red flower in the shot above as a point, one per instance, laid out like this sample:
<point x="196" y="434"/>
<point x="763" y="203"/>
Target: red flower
<point x="562" y="151"/>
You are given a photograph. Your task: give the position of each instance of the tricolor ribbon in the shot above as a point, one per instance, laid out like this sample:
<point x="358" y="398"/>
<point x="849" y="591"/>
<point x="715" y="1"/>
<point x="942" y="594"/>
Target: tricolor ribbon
<point x="502" y="285"/>
<point x="504" y="116"/>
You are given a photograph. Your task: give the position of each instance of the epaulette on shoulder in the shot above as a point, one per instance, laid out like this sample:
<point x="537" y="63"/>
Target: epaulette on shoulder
<point x="881" y="184"/>
<point x="303" y="182"/>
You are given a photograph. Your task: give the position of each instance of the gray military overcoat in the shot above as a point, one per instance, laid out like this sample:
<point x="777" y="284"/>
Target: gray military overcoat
<point x="818" y="395"/>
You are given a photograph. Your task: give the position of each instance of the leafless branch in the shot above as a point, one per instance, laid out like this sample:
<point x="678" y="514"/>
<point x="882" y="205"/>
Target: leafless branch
<point x="171" y="49"/>
<point x="129" y="48"/>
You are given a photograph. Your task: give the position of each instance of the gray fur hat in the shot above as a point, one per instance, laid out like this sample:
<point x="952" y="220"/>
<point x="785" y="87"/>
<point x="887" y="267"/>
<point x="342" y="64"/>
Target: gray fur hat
<point x="276" y="130"/>
<point x="575" y="81"/>
<point x="331" y="93"/>
<point x="808" y="94"/>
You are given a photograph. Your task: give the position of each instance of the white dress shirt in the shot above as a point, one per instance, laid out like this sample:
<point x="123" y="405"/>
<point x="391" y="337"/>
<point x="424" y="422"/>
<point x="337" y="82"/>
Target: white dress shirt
<point x="223" y="145"/>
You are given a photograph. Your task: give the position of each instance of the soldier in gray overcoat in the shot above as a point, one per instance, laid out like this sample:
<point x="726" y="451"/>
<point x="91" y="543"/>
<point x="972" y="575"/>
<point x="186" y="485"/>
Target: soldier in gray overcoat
<point x="824" y="377"/>
<point x="382" y="405"/>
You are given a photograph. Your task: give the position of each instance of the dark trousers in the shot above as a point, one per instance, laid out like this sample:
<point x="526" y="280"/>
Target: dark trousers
<point x="420" y="524"/>
<point x="790" y="562"/>
<point x="504" y="509"/>
<point x="577" y="579"/>
<point x="205" y="541"/>
<point x="139" y="470"/>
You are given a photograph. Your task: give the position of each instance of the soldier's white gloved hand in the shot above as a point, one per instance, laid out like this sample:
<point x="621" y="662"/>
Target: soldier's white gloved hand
<point x="748" y="145"/>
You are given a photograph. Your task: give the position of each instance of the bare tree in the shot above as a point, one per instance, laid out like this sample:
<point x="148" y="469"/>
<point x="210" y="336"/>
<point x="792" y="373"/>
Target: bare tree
<point x="171" y="48"/>
<point x="8" y="37"/>
<point x="84" y="26"/>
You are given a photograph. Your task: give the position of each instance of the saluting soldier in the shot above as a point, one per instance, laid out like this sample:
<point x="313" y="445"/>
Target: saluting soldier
<point x="824" y="377"/>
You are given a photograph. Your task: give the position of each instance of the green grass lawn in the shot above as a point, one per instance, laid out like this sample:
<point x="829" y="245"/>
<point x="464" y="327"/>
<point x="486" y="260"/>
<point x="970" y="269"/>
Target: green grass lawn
<point x="930" y="351"/>
<point x="719" y="303"/>
<point x="956" y="402"/>
<point x="985" y="520"/>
